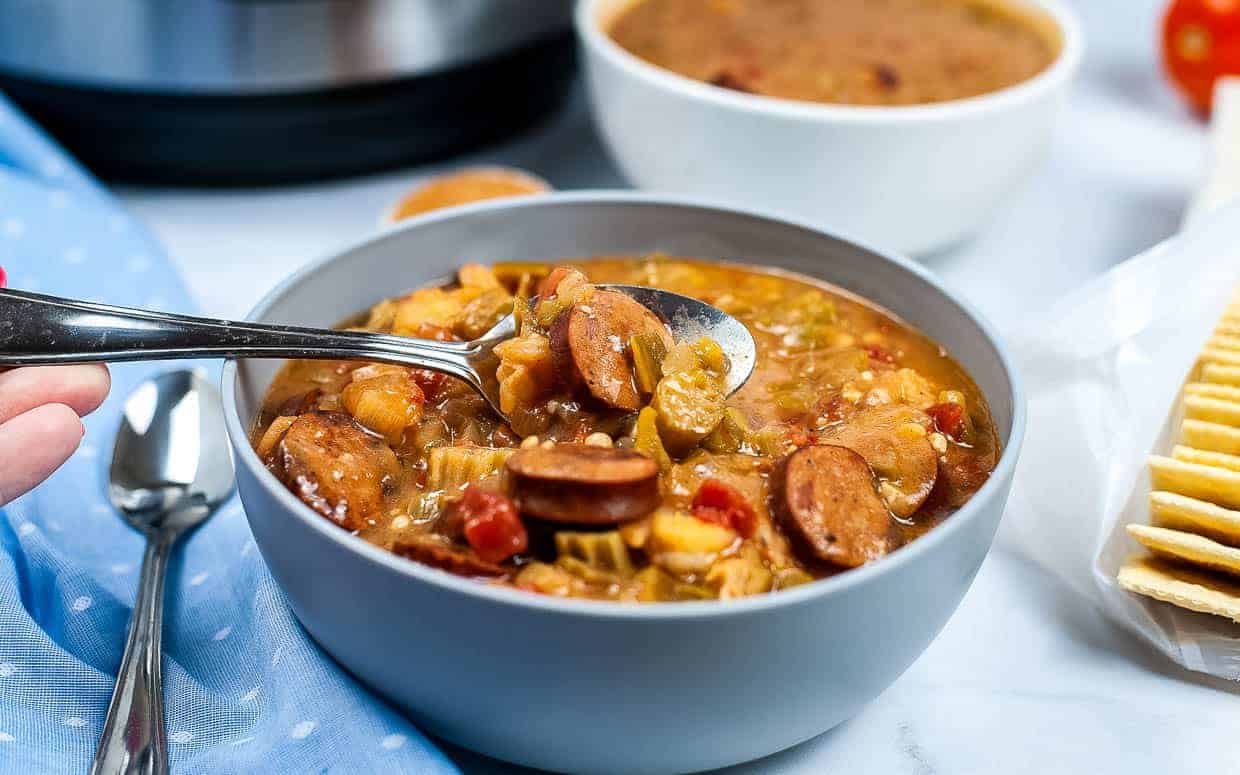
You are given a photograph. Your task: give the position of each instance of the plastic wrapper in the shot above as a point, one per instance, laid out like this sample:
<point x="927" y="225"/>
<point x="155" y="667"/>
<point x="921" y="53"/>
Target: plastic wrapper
<point x="1103" y="372"/>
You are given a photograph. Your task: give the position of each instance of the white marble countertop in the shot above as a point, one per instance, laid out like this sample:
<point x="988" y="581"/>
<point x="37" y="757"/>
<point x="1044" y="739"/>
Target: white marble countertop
<point x="1025" y="678"/>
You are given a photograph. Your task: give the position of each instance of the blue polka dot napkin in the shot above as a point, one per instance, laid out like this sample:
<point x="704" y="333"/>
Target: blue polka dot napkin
<point x="246" y="690"/>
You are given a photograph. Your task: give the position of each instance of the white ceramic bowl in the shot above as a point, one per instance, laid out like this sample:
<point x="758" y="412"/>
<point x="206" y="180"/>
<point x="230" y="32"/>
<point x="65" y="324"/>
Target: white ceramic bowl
<point x="582" y="686"/>
<point x="913" y="179"/>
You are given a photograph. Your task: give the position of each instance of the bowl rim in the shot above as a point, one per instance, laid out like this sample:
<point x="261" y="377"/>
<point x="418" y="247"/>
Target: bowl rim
<point x="244" y="453"/>
<point x="590" y="32"/>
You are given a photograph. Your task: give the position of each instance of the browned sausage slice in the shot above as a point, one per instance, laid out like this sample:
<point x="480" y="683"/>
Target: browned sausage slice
<point x="826" y="500"/>
<point x="336" y="467"/>
<point x="437" y="553"/>
<point x="584" y="485"/>
<point x="300" y="403"/>
<point x="893" y="441"/>
<point x="590" y="343"/>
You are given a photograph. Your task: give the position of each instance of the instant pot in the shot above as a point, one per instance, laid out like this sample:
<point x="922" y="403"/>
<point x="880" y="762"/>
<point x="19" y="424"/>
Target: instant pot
<point x="256" y="91"/>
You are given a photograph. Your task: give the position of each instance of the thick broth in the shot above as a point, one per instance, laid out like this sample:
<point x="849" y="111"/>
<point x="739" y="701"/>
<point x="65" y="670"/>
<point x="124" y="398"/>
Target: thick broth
<point x="858" y="52"/>
<point x="825" y="361"/>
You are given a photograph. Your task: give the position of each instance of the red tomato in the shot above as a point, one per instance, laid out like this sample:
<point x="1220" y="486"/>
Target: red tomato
<point x="546" y="288"/>
<point x="491" y="525"/>
<point x="879" y="354"/>
<point x="3" y="279"/>
<point x="438" y="333"/>
<point x="429" y="381"/>
<point x="1200" y="42"/>
<point x="949" y="418"/>
<point x="719" y="502"/>
<point x="801" y="437"/>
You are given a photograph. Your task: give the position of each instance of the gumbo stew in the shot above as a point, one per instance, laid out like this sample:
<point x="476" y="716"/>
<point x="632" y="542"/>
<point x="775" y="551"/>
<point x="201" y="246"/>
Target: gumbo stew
<point x="623" y="471"/>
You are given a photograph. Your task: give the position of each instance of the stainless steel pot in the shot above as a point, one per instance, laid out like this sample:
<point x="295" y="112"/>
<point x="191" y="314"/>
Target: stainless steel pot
<point x="228" y="90"/>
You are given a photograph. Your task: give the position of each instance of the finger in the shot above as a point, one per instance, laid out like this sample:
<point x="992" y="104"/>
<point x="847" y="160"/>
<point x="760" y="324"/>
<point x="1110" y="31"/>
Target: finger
<point x="81" y="388"/>
<point x="33" y="445"/>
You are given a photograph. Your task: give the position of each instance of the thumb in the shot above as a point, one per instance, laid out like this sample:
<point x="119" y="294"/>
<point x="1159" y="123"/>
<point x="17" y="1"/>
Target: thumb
<point x="33" y="445"/>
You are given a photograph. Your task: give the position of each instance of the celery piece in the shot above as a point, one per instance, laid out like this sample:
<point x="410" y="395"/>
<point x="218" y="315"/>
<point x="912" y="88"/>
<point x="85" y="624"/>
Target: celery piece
<point x="647" y="351"/>
<point x="603" y="551"/>
<point x="730" y="435"/>
<point x="646" y="439"/>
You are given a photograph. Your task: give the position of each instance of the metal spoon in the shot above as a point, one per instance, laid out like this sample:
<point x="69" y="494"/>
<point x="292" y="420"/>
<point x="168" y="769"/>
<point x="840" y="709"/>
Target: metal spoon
<point x="171" y="469"/>
<point x="40" y="330"/>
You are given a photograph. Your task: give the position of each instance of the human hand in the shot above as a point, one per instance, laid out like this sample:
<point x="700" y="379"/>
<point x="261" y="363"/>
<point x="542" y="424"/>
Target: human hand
<point x="40" y="427"/>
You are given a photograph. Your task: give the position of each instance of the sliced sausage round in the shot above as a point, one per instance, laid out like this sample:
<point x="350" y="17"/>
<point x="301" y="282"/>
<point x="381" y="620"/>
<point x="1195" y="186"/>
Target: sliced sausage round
<point x="577" y="484"/>
<point x="590" y="343"/>
<point x="336" y="467"/>
<point x="437" y="553"/>
<point x="827" y="502"/>
<point x="888" y="438"/>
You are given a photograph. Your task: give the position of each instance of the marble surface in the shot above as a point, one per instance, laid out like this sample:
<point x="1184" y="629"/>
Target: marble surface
<point x="1025" y="678"/>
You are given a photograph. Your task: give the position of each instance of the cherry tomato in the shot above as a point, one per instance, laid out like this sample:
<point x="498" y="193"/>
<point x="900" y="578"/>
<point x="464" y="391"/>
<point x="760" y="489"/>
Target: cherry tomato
<point x="949" y="418"/>
<point x="719" y="502"/>
<point x="1200" y="42"/>
<point x="491" y="525"/>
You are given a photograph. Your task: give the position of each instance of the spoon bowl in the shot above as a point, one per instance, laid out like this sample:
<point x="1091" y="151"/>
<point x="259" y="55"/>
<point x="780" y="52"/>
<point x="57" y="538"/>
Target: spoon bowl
<point x="171" y="453"/>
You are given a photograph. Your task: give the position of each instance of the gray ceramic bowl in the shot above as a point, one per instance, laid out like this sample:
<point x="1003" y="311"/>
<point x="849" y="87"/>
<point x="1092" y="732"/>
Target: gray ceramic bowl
<point x="580" y="686"/>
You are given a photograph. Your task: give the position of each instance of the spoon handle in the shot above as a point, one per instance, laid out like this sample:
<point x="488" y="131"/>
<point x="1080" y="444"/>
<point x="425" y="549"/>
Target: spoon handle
<point x="39" y="330"/>
<point x="133" y="740"/>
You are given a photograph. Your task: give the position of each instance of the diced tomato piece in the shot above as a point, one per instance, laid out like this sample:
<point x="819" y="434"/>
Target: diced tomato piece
<point x="429" y="381"/>
<point x="432" y="331"/>
<point x="879" y="354"/>
<point x="546" y="288"/>
<point x="949" y="418"/>
<point x="801" y="437"/>
<point x="721" y="503"/>
<point x="491" y="525"/>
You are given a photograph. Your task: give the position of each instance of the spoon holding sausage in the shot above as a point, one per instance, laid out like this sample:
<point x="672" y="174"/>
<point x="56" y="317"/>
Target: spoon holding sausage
<point x="38" y="330"/>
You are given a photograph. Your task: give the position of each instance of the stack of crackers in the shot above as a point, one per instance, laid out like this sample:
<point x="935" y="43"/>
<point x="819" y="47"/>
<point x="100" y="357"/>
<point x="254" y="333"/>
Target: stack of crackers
<point x="1194" y="538"/>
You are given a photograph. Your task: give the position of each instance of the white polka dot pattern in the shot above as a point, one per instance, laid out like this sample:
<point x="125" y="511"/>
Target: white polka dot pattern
<point x="392" y="742"/>
<point x="302" y="729"/>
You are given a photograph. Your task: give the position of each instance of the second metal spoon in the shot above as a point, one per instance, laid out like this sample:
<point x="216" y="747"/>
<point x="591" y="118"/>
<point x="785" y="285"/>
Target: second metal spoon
<point x="39" y="330"/>
<point x="171" y="469"/>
